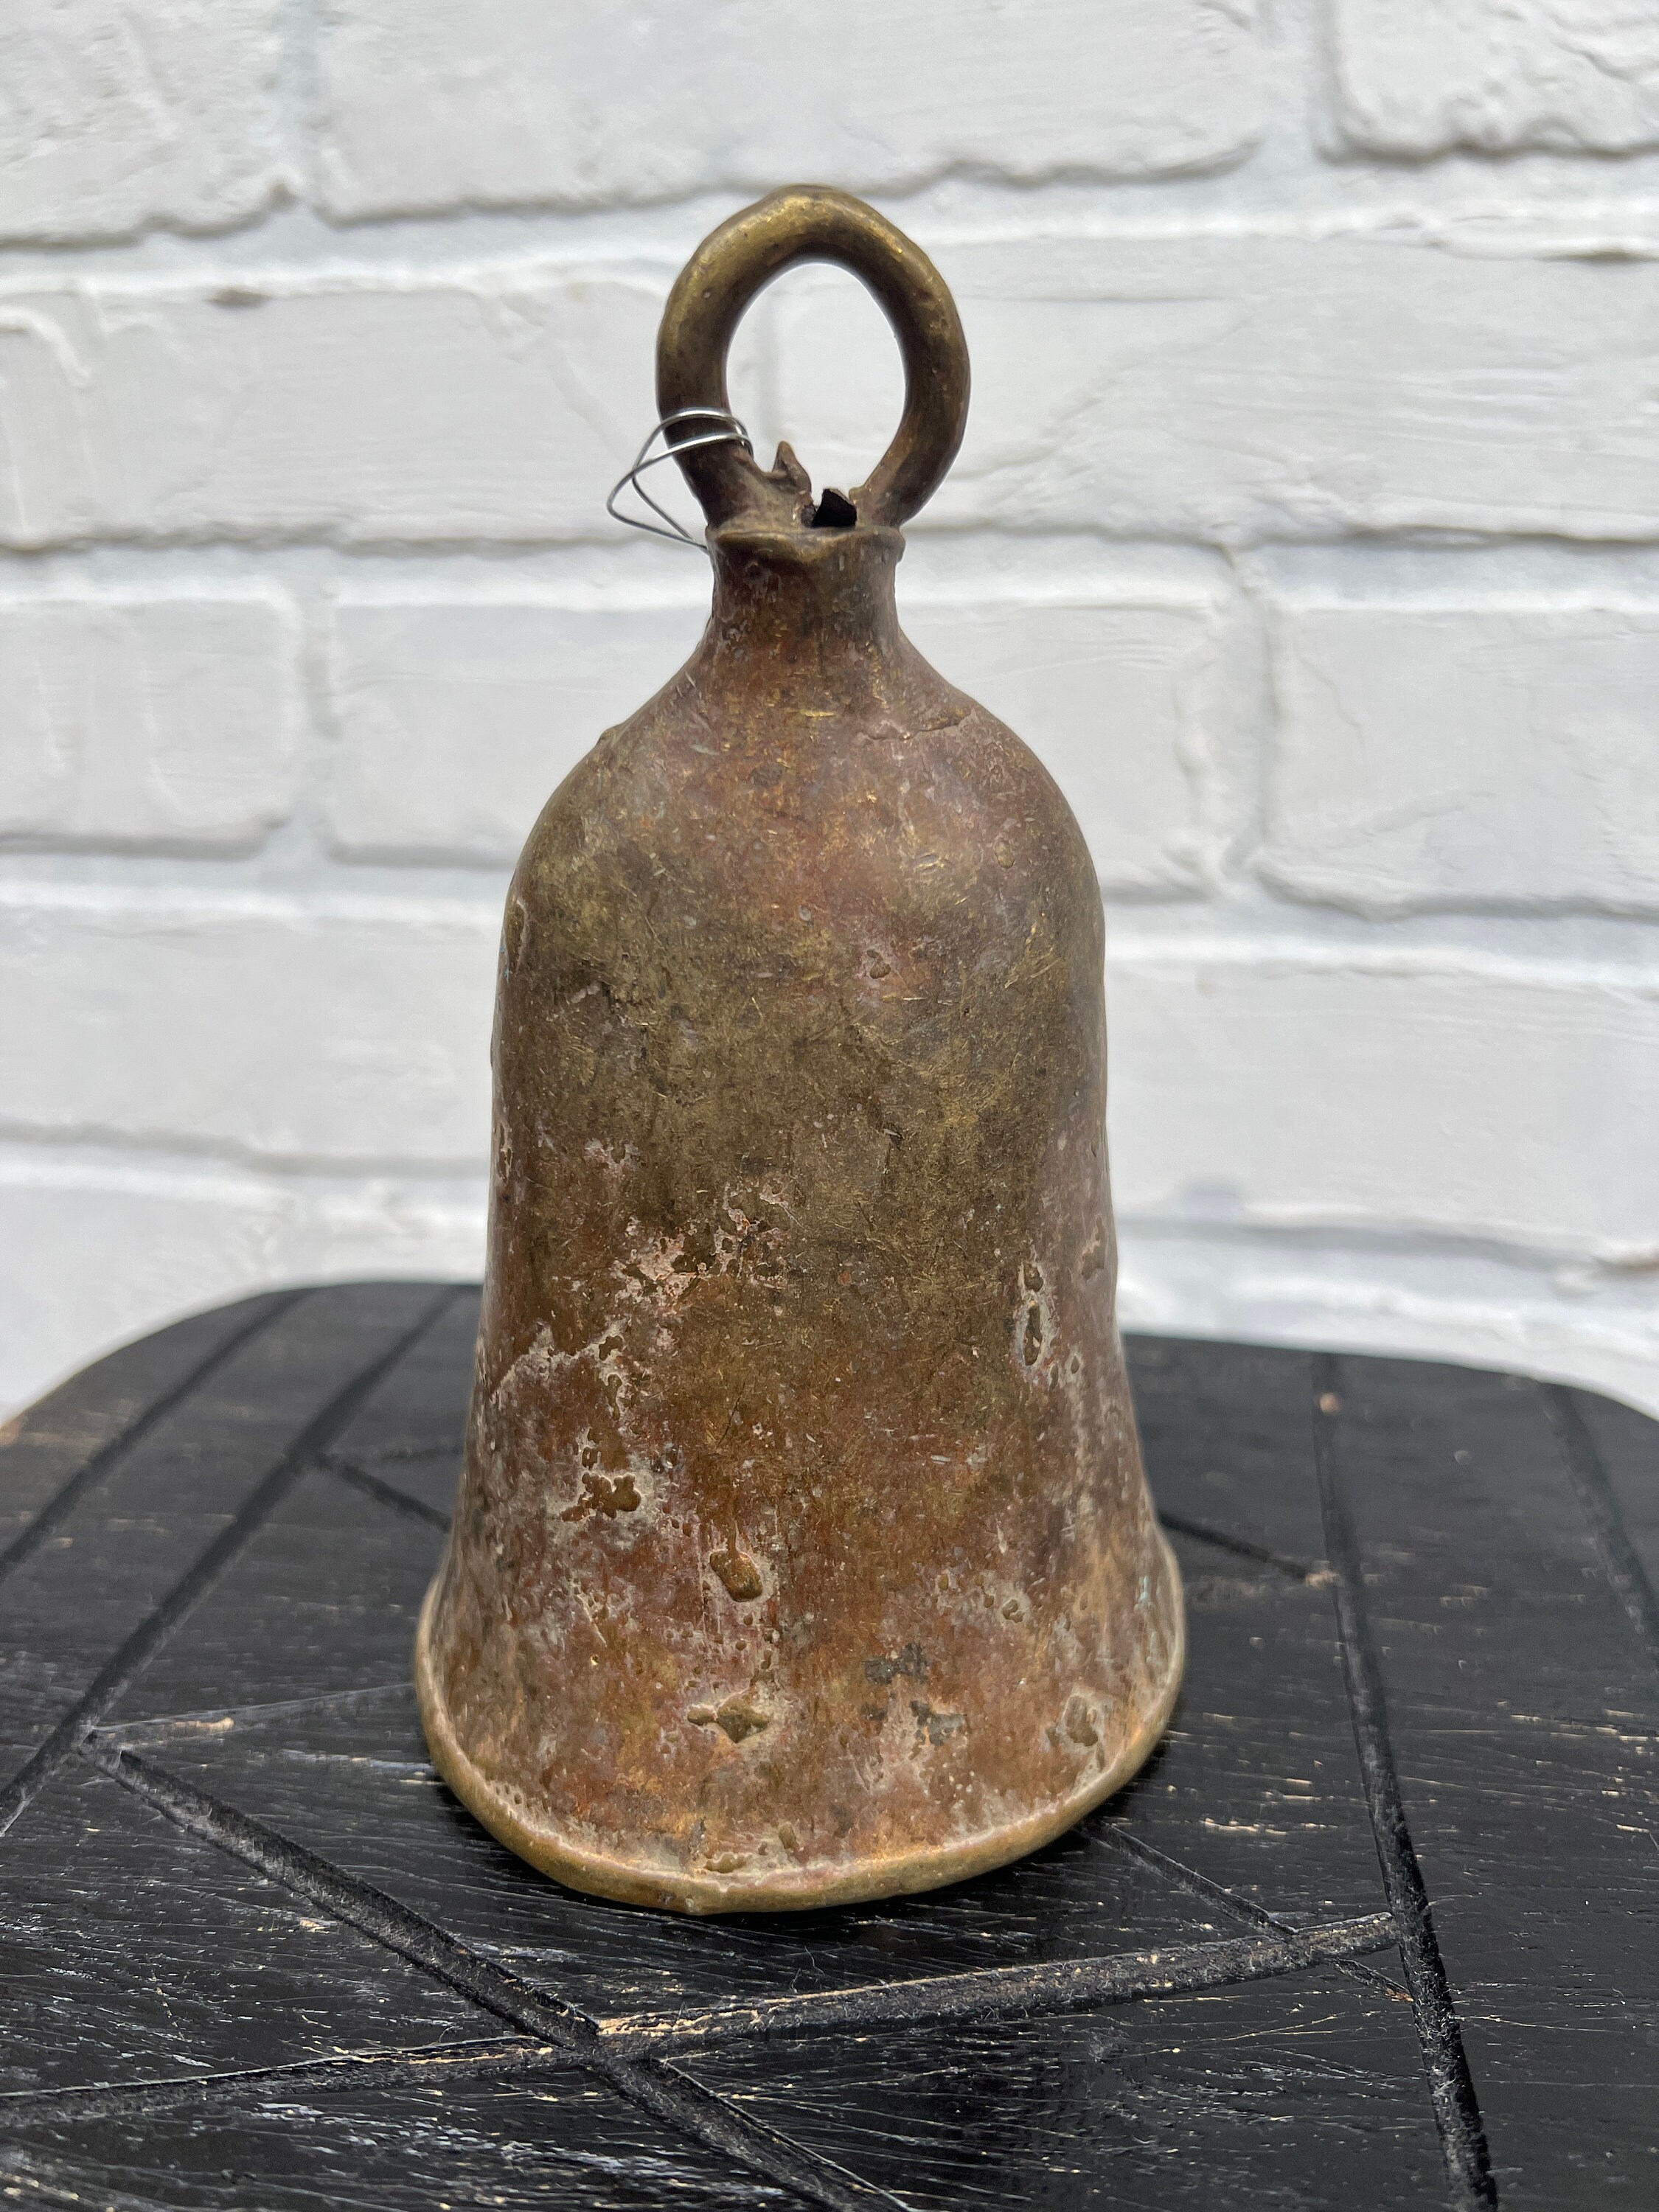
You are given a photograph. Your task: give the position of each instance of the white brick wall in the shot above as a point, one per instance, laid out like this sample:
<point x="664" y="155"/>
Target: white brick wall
<point x="1308" y="525"/>
<point x="1231" y="388"/>
<point x="1468" y="754"/>
<point x="487" y="405"/>
<point x="1578" y="74"/>
<point x="148" y="722"/>
<point x="429" y="104"/>
<point x="118" y="113"/>
<point x="1117" y="700"/>
<point x="456" y="720"/>
<point x="1281" y="1085"/>
<point x="266" y="1028"/>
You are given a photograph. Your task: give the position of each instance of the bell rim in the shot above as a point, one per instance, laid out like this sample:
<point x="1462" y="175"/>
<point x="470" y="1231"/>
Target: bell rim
<point x="908" y="1873"/>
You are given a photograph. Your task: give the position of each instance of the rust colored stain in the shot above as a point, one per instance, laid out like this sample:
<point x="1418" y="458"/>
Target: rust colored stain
<point x="803" y="1550"/>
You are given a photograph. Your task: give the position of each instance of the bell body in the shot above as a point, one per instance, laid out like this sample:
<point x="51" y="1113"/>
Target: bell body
<point x="803" y="1551"/>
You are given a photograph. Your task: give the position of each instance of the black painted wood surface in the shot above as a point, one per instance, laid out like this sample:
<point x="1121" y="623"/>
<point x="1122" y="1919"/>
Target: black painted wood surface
<point x="1375" y="1928"/>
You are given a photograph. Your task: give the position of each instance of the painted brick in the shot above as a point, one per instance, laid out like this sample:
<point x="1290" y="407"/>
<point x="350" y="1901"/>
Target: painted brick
<point x="1190" y="385"/>
<point x="357" y="409"/>
<point x="1463" y="754"/>
<point x="1112" y="699"/>
<point x="1427" y="1298"/>
<point x="102" y="1250"/>
<point x="1327" y="1127"/>
<point x="259" y="1027"/>
<point x="433" y="103"/>
<point x="1440" y="1092"/>
<point x="1424" y="77"/>
<point x="146" y="722"/>
<point x="118" y="113"/>
<point x="456" y="722"/>
<point x="1222" y="386"/>
<point x="1430" y="1094"/>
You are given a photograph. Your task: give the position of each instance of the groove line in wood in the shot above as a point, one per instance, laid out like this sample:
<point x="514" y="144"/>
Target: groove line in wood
<point x="405" y="1454"/>
<point x="150" y="1416"/>
<point x="989" y="1993"/>
<point x="127" y="1662"/>
<point x="1300" y="1570"/>
<point x="1451" y="2085"/>
<point x="386" y="1493"/>
<point x="157" y="1728"/>
<point x="986" y="1994"/>
<point x="654" y="2084"/>
<point x="1599" y="1503"/>
<point x="478" y="2057"/>
<point x="1115" y="1834"/>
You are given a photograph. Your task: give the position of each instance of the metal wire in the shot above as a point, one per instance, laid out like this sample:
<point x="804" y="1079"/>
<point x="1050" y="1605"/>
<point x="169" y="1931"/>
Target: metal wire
<point x="676" y="534"/>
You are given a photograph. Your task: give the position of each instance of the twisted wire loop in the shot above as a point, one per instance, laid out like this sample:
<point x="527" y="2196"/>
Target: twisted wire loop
<point x="732" y="433"/>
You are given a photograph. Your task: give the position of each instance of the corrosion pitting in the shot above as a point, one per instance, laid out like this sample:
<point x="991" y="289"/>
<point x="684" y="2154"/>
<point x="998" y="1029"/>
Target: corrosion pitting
<point x="803" y="1550"/>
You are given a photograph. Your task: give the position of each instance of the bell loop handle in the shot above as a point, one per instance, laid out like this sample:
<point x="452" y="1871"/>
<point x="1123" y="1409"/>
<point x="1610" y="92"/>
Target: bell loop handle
<point x="809" y="223"/>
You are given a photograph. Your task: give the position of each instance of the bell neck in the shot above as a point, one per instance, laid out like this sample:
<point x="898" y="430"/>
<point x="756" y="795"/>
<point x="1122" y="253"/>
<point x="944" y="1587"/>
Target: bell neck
<point x="805" y="612"/>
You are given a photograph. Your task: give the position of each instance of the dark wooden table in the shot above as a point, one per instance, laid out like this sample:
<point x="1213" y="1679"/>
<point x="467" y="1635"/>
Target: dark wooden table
<point x="1375" y="1928"/>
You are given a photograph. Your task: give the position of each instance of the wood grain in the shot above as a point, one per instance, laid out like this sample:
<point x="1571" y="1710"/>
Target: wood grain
<point x="257" y="1957"/>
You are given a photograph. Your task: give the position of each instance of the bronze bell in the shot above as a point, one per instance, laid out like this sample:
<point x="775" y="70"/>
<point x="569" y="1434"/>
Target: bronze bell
<point x="803" y="1552"/>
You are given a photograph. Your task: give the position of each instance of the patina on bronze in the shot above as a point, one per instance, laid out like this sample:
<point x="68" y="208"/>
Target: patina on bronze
<point x="803" y="1551"/>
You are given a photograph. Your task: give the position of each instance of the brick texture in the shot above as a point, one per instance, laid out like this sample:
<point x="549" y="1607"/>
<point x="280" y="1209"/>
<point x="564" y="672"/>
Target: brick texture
<point x="440" y="103"/>
<point x="456" y="722"/>
<point x="383" y="1008"/>
<point x="240" y="409"/>
<point x="1423" y="76"/>
<point x="1459" y="1095"/>
<point x="1463" y="755"/>
<point x="1233" y="388"/>
<point x="169" y="722"/>
<point x="1307" y="525"/>
<point x="1219" y="390"/>
<point x="118" y="113"/>
<point x="1112" y="699"/>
